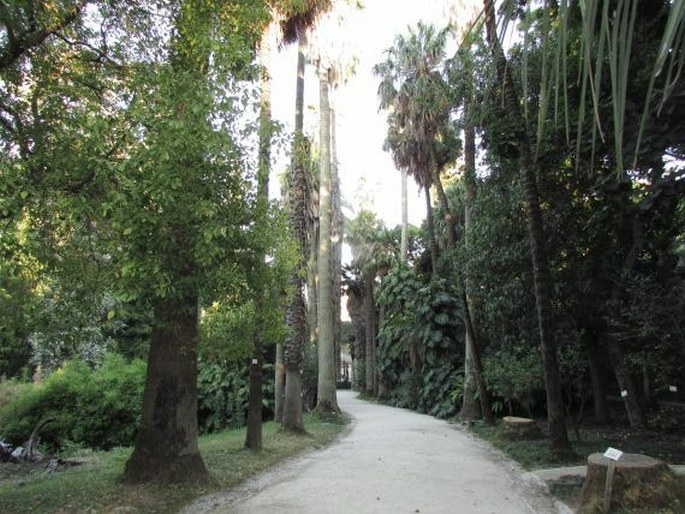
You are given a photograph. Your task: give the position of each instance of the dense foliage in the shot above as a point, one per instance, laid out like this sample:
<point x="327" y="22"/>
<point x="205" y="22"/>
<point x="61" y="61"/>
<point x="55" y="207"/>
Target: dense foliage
<point x="562" y="130"/>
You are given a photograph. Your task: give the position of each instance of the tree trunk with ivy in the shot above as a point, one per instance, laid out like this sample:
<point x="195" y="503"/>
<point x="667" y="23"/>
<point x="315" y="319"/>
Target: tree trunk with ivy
<point x="559" y="443"/>
<point x="296" y="312"/>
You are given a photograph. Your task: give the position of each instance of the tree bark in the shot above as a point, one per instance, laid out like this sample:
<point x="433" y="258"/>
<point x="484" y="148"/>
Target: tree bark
<point x="326" y="400"/>
<point x="432" y="242"/>
<point x="279" y="383"/>
<point x="558" y="440"/>
<point x="369" y="307"/>
<point x="253" y="436"/>
<point x="166" y="448"/>
<point x="470" y="408"/>
<point x="404" y="243"/>
<point x="598" y="392"/>
<point x="337" y="228"/>
<point x="296" y="313"/>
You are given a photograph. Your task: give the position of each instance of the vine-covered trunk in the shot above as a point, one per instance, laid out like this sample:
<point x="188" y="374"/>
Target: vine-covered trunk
<point x="296" y="312"/>
<point x="558" y="438"/>
<point x="166" y="448"/>
<point x="326" y="399"/>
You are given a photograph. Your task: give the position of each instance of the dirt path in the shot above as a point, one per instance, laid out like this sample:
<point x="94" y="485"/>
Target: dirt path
<point x="391" y="461"/>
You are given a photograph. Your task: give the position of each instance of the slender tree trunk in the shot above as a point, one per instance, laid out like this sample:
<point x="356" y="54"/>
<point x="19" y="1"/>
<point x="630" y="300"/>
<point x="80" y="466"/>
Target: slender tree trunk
<point x="447" y="213"/>
<point x="558" y="440"/>
<point x="296" y="313"/>
<point x="326" y="391"/>
<point x="432" y="242"/>
<point x="166" y="448"/>
<point x="404" y="244"/>
<point x="253" y="436"/>
<point x="470" y="408"/>
<point x="337" y="228"/>
<point x="483" y="393"/>
<point x="279" y="383"/>
<point x="598" y="392"/>
<point x="369" y="307"/>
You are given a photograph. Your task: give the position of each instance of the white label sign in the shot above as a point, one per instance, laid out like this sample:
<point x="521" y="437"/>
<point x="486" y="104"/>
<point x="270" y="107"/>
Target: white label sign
<point x="673" y="389"/>
<point x="613" y="454"/>
<point x="255" y="361"/>
<point x="624" y="393"/>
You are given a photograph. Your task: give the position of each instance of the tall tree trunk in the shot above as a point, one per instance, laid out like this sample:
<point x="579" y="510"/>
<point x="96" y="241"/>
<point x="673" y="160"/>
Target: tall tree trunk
<point x="296" y="313"/>
<point x="369" y="306"/>
<point x="470" y="407"/>
<point x="559" y="443"/>
<point x="598" y="392"/>
<point x="326" y="400"/>
<point x="253" y="436"/>
<point x="448" y="215"/>
<point x="166" y="445"/>
<point x="432" y="242"/>
<point x="279" y="383"/>
<point x="483" y="393"/>
<point x="404" y="243"/>
<point x="337" y="228"/>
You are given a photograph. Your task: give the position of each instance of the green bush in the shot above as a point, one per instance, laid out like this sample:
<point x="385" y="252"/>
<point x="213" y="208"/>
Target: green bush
<point x="95" y="408"/>
<point x="223" y="393"/>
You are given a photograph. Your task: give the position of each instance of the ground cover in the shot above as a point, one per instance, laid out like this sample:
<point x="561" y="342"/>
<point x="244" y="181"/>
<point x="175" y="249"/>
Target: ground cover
<point x="94" y="485"/>
<point x="534" y="454"/>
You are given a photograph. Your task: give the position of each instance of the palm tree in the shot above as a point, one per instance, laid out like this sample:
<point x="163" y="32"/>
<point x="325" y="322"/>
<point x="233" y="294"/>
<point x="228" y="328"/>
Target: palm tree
<point x="415" y="94"/>
<point x="326" y="390"/>
<point x="295" y="29"/>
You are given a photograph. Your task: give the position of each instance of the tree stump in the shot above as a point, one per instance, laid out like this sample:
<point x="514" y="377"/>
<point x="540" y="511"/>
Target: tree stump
<point x="638" y="481"/>
<point x="521" y="428"/>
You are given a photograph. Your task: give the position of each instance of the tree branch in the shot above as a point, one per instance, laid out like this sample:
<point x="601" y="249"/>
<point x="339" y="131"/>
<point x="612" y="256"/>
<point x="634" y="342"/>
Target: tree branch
<point x="20" y="44"/>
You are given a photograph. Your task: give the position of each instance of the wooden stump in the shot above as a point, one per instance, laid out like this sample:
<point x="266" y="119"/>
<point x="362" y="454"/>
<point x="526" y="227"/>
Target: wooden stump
<point x="521" y="428"/>
<point x="636" y="481"/>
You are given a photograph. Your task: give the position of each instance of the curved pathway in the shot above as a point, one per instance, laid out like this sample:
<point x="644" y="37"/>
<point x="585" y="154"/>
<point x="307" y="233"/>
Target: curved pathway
<point x="391" y="461"/>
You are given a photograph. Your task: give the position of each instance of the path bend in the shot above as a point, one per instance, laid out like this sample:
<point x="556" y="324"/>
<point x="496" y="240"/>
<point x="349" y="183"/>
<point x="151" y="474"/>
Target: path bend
<point x="391" y="461"/>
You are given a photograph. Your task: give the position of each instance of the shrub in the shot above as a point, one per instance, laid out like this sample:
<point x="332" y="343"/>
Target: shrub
<point x="96" y="408"/>
<point x="223" y="393"/>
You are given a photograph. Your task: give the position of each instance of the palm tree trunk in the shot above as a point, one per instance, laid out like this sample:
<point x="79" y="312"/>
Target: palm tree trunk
<point x="326" y="400"/>
<point x="559" y="443"/>
<point x="470" y="408"/>
<point x="404" y="244"/>
<point x="337" y="228"/>
<point x="369" y="307"/>
<point x="296" y="313"/>
<point x="432" y="242"/>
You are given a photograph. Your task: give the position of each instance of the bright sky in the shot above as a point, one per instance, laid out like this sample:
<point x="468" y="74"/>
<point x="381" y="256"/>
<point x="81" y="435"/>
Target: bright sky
<point x="367" y="173"/>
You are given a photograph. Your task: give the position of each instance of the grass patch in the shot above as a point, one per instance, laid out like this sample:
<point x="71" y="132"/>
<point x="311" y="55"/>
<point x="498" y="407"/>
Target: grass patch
<point x="535" y="454"/>
<point x="95" y="486"/>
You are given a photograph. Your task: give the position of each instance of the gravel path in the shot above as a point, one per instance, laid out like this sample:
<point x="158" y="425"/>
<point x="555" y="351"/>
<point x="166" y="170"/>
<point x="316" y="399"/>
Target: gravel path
<point x="390" y="461"/>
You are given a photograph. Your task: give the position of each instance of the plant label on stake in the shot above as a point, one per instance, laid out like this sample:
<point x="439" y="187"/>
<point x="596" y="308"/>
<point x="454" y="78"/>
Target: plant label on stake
<point x="673" y="389"/>
<point x="613" y="454"/>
